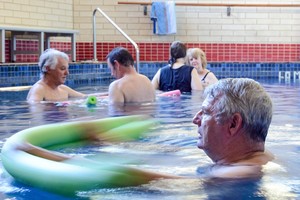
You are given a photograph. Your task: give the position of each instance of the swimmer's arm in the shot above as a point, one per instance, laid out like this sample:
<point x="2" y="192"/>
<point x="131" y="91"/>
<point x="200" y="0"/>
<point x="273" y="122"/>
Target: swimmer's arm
<point x="196" y="82"/>
<point x="43" y="153"/>
<point x="155" y="80"/>
<point x="71" y="92"/>
<point x="100" y="94"/>
<point x="115" y="94"/>
<point x="144" y="176"/>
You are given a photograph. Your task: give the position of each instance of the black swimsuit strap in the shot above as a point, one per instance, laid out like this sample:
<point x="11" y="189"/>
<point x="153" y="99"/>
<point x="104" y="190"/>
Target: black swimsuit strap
<point x="205" y="76"/>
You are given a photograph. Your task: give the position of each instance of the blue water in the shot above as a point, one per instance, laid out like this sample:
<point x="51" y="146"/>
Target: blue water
<point x="170" y="148"/>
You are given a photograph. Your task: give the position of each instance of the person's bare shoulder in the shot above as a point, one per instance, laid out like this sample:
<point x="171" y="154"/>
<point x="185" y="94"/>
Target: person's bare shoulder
<point x="144" y="78"/>
<point x="155" y="80"/>
<point x="37" y="92"/>
<point x="235" y="171"/>
<point x="64" y="87"/>
<point x="212" y="78"/>
<point x="115" y="92"/>
<point x="251" y="167"/>
<point x="114" y="84"/>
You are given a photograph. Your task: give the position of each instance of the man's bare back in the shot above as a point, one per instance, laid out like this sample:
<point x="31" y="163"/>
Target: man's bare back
<point x="130" y="86"/>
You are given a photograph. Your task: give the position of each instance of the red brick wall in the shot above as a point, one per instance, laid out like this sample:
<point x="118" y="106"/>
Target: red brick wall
<point x="152" y="52"/>
<point x="214" y="52"/>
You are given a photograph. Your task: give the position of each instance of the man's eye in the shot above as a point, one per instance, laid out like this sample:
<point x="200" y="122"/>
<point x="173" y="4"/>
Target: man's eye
<point x="205" y="112"/>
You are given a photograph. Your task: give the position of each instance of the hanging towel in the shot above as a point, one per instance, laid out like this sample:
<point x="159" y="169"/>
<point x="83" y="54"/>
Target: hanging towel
<point x="163" y="17"/>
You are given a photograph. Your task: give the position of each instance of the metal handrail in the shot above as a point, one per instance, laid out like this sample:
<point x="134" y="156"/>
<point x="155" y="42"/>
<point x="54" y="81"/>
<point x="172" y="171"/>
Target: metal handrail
<point x="120" y="30"/>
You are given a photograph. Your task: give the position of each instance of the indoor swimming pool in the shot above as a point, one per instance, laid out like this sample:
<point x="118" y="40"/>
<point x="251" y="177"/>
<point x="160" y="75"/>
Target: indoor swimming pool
<point x="169" y="148"/>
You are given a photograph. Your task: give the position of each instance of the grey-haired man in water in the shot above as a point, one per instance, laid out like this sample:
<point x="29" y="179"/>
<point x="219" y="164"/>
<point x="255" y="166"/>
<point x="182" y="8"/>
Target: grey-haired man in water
<point x="233" y="123"/>
<point x="54" y="71"/>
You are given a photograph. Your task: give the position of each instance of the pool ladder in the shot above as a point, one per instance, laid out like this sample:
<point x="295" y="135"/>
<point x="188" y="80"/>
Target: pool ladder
<point x="120" y="30"/>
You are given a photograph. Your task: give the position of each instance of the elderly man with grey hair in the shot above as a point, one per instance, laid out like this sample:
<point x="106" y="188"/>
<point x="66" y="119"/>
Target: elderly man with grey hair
<point x="54" y="71"/>
<point x="233" y="123"/>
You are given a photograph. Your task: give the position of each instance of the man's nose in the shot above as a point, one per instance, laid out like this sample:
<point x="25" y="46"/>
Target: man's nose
<point x="197" y="118"/>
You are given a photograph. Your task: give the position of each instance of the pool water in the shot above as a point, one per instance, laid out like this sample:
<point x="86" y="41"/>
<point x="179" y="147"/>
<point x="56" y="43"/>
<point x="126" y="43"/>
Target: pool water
<point x="169" y="148"/>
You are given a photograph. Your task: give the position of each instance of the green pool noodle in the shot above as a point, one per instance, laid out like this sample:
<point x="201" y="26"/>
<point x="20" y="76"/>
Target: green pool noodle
<point x="75" y="174"/>
<point x="91" y="101"/>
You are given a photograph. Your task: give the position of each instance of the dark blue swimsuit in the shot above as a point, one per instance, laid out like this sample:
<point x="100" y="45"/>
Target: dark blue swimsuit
<point x="174" y="79"/>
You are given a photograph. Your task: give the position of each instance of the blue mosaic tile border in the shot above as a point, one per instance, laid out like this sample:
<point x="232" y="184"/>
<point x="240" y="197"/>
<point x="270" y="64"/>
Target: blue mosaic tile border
<point x="80" y="73"/>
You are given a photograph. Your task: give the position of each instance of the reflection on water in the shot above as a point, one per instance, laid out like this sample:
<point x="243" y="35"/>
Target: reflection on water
<point x="170" y="148"/>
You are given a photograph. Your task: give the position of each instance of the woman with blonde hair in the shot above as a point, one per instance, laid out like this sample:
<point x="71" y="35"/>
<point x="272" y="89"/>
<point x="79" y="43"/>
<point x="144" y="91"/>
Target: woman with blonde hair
<point x="197" y="58"/>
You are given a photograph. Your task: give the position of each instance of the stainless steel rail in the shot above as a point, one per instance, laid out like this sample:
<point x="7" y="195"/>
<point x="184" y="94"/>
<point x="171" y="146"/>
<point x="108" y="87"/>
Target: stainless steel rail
<point x="120" y="30"/>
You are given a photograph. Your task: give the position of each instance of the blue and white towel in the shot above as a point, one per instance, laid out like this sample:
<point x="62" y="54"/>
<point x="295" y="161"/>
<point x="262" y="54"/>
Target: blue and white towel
<point x="163" y="17"/>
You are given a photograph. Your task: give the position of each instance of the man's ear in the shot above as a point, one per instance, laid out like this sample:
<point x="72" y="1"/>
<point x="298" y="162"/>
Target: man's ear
<point x="116" y="64"/>
<point x="46" y="69"/>
<point x="235" y="123"/>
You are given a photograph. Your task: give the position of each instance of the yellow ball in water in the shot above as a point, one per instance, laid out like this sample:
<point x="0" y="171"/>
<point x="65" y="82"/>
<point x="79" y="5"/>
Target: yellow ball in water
<point x="91" y="101"/>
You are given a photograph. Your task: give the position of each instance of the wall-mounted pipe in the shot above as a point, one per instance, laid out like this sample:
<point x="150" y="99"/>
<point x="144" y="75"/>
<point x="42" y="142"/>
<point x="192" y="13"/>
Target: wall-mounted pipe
<point x="228" y="5"/>
<point x="218" y="4"/>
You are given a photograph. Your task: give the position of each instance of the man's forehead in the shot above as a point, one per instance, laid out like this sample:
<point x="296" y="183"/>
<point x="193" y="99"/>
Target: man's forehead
<point x="63" y="63"/>
<point x="208" y="102"/>
<point x="62" y="60"/>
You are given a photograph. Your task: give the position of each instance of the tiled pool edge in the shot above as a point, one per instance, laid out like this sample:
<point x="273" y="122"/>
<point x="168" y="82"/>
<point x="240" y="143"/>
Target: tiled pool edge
<point x="27" y="74"/>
